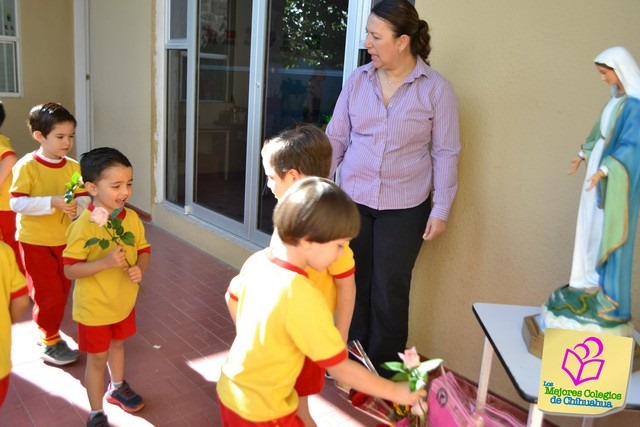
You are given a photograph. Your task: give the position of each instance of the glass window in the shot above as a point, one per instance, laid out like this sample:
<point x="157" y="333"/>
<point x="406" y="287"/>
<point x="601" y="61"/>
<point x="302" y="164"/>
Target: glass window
<point x="303" y="71"/>
<point x="176" y="129"/>
<point x="9" y="76"/>
<point x="178" y="20"/>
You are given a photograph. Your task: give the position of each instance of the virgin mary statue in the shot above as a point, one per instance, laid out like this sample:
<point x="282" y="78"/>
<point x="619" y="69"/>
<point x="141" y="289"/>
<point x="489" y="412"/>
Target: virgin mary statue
<point x="598" y="297"/>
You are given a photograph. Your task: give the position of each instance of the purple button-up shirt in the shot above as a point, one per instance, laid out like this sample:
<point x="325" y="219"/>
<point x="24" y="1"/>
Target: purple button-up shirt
<point x="393" y="157"/>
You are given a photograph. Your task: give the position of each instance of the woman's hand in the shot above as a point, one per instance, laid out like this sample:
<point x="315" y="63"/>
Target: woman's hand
<point x="595" y="179"/>
<point x="435" y="227"/>
<point x="573" y="167"/>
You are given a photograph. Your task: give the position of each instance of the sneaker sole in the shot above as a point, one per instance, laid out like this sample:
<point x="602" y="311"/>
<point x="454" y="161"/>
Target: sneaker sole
<point x="57" y="362"/>
<point x="123" y="406"/>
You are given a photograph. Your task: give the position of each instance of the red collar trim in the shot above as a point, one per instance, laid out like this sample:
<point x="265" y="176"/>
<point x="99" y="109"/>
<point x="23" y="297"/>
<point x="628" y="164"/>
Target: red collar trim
<point x="287" y="265"/>
<point x="47" y="163"/>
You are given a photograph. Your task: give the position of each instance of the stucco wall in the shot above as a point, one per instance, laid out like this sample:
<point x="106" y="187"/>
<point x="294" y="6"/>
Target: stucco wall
<point x="46" y="43"/>
<point x="121" y="37"/>
<point x="529" y="94"/>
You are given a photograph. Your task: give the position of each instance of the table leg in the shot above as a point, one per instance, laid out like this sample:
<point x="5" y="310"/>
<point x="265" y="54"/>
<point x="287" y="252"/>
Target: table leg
<point x="485" y="373"/>
<point x="535" y="416"/>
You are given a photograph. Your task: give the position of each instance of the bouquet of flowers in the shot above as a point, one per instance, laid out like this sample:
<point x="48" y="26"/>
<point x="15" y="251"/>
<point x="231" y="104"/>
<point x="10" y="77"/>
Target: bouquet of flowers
<point x="412" y="370"/>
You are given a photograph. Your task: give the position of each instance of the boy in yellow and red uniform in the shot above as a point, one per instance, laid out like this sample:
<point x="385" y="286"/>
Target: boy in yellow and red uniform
<point x="295" y="153"/>
<point x="8" y="158"/>
<point x="106" y="280"/>
<point x="37" y="195"/>
<point x="281" y="318"/>
<point x="14" y="300"/>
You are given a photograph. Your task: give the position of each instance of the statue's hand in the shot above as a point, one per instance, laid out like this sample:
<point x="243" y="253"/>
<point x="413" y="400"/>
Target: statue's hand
<point x="595" y="179"/>
<point x="573" y="167"/>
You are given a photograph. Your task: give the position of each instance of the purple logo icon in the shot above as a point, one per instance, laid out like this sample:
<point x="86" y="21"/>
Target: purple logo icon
<point x="581" y="363"/>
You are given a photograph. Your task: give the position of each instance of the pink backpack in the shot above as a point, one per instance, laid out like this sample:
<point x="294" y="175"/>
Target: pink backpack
<point x="453" y="404"/>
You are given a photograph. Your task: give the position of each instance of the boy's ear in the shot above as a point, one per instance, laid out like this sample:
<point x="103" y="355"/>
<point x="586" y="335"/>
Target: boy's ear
<point x="295" y="174"/>
<point x="37" y="135"/>
<point x="91" y="188"/>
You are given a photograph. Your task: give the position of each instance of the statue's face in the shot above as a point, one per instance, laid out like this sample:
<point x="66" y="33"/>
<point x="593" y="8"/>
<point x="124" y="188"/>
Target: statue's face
<point x="609" y="76"/>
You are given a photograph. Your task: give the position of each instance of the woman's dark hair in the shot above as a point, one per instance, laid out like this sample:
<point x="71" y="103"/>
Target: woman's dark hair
<point x="403" y="19"/>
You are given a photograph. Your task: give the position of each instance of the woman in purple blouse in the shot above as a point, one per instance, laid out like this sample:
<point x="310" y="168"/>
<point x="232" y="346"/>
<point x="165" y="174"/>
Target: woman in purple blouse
<point x="395" y="136"/>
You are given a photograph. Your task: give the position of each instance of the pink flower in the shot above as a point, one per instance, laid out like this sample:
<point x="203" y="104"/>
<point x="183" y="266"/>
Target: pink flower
<point x="418" y="409"/>
<point x="410" y="358"/>
<point x="100" y="216"/>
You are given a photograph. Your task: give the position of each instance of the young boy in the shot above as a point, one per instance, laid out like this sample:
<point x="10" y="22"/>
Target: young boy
<point x="14" y="300"/>
<point x="8" y="158"/>
<point x="37" y="195"/>
<point x="106" y="280"/>
<point x="281" y="318"/>
<point x="295" y="153"/>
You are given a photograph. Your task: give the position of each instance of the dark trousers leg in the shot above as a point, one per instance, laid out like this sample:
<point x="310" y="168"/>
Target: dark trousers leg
<point x="385" y="265"/>
<point x="362" y="247"/>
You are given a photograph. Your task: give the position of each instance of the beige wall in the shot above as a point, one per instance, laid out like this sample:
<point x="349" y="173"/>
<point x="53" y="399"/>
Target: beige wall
<point x="529" y="95"/>
<point x="46" y="42"/>
<point x="121" y="34"/>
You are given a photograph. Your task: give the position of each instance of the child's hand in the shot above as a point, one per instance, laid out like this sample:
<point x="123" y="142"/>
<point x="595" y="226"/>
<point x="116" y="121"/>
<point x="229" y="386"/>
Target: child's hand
<point x="117" y="258"/>
<point x="406" y="397"/>
<point x="135" y="273"/>
<point x="69" y="209"/>
<point x="573" y="167"/>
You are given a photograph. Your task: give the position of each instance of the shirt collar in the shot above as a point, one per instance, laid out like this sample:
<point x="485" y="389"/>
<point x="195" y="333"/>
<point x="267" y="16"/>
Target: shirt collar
<point x="421" y="69"/>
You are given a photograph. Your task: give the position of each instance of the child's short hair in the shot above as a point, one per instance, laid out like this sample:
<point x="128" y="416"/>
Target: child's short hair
<point x="316" y="209"/>
<point x="2" y="114"/>
<point x="303" y="147"/>
<point x="44" y="117"/>
<point x="93" y="163"/>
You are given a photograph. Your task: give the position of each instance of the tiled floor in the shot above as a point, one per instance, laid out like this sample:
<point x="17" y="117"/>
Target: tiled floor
<point x="184" y="332"/>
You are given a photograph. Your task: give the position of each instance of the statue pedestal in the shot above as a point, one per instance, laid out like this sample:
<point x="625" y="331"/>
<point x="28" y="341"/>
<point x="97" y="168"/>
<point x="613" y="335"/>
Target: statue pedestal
<point x="534" y="339"/>
<point x="532" y="335"/>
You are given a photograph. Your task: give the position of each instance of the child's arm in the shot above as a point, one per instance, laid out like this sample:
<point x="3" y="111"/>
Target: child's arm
<point x="136" y="271"/>
<point x="345" y="301"/>
<point x="232" y="304"/>
<point x="5" y="166"/>
<point x="116" y="258"/>
<point x="17" y="307"/>
<point x="357" y="376"/>
<point x="42" y="205"/>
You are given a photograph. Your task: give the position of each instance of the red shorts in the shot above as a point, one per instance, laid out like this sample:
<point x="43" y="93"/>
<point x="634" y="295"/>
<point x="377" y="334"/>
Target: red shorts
<point x="311" y="379"/>
<point x="231" y="419"/>
<point x="96" y="339"/>
<point x="4" y="388"/>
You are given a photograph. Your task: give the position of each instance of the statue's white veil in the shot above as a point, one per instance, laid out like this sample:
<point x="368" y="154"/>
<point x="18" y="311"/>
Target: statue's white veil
<point x="625" y="67"/>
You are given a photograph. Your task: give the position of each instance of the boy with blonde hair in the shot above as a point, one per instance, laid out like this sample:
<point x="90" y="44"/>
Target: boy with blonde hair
<point x="301" y="151"/>
<point x="281" y="317"/>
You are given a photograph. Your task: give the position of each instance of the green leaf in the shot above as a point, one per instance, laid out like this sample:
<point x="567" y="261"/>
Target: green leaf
<point x="116" y="223"/>
<point x="400" y="376"/>
<point x="394" y="366"/>
<point x="428" y="366"/>
<point x="104" y="243"/>
<point x="128" y="238"/>
<point x="92" y="241"/>
<point x="120" y="230"/>
<point x="115" y="214"/>
<point x="420" y="384"/>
